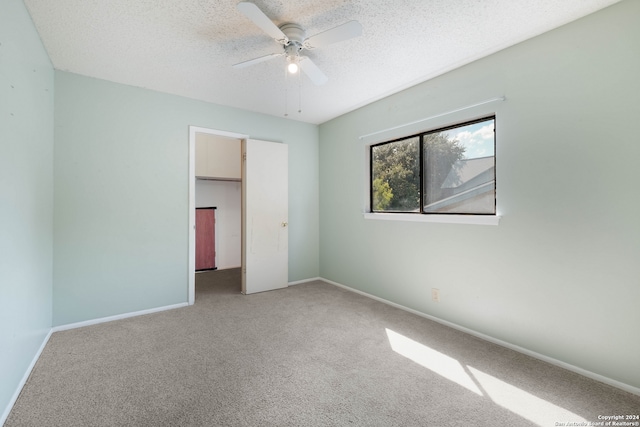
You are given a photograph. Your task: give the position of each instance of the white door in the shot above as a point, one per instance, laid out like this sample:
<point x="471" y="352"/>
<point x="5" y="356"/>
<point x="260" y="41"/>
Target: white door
<point x="265" y="231"/>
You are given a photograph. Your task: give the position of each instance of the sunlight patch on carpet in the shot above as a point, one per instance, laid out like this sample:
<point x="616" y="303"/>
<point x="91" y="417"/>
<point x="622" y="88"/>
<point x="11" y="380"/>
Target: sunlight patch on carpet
<point x="431" y="359"/>
<point x="512" y="398"/>
<point x="525" y="404"/>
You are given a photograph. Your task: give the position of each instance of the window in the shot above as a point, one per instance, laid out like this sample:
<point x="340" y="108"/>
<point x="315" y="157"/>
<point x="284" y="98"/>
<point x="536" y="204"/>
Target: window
<point x="443" y="171"/>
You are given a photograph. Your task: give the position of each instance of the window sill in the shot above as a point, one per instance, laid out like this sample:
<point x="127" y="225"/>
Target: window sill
<point x="443" y="219"/>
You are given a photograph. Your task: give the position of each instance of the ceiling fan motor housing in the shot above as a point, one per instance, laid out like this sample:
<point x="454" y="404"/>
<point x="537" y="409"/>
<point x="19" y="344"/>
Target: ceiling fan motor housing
<point x="294" y="32"/>
<point x="296" y="36"/>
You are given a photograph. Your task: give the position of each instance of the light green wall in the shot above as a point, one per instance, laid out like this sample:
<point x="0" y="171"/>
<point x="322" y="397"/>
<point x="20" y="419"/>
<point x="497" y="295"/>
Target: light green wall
<point x="560" y="274"/>
<point x="26" y="195"/>
<point x="121" y="199"/>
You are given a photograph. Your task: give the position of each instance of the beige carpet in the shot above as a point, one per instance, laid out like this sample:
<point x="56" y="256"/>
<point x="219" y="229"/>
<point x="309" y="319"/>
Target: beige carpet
<point x="308" y="355"/>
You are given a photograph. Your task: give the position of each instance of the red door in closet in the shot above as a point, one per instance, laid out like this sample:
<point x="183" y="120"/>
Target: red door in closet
<point x="205" y="239"/>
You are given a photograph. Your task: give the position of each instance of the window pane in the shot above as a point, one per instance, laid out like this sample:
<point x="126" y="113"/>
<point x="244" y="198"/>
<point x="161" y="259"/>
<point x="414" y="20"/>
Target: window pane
<point x="459" y="166"/>
<point x="395" y="176"/>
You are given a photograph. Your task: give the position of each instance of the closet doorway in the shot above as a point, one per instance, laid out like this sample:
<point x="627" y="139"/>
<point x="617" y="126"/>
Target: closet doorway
<point x="255" y="175"/>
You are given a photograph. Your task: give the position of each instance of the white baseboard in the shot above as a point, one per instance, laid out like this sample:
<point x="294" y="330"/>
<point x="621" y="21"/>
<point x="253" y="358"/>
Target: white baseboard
<point x="24" y="379"/>
<point x="556" y="362"/>
<point x="116" y="317"/>
<point x="299" y="282"/>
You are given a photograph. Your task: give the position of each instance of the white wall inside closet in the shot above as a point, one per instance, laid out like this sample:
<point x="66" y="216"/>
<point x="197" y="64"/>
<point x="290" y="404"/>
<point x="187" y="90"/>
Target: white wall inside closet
<point x="226" y="197"/>
<point x="218" y="159"/>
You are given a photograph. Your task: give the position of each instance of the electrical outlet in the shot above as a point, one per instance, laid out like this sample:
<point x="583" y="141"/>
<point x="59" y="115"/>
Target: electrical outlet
<point x="435" y="295"/>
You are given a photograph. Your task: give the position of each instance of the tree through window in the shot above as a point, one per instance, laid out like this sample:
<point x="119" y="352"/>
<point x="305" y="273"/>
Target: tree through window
<point x="450" y="170"/>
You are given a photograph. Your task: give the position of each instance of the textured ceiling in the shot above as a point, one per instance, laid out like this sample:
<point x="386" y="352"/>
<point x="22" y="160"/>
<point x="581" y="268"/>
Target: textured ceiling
<point x="187" y="47"/>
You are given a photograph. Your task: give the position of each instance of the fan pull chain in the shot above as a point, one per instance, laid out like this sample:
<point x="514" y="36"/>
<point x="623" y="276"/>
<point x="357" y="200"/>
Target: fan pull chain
<point x="286" y="93"/>
<point x="299" y="91"/>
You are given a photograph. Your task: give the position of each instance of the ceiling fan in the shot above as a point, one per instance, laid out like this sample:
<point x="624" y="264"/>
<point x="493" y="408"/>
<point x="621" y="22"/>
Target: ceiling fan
<point x="293" y="39"/>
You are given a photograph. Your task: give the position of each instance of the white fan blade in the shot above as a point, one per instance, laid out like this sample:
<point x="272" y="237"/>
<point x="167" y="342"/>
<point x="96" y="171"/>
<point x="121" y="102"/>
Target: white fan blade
<point x="256" y="60"/>
<point x="312" y="71"/>
<point x="258" y="17"/>
<point x="340" y="33"/>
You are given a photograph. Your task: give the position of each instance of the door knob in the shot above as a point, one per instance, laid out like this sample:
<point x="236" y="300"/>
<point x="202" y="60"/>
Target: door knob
<point x="284" y="224"/>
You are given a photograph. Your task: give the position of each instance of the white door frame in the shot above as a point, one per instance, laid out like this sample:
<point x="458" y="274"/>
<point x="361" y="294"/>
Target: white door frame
<point x="192" y="201"/>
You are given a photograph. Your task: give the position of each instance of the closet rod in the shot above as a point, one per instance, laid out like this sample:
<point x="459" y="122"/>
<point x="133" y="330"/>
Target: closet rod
<point x="487" y="101"/>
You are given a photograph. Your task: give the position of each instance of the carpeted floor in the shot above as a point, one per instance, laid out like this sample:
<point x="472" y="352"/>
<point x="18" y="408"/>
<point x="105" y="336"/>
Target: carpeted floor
<point x="309" y="355"/>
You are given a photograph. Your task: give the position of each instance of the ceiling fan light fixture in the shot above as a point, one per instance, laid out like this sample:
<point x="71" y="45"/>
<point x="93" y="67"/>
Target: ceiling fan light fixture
<point x="292" y="67"/>
<point x="292" y="52"/>
<point x="293" y="59"/>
